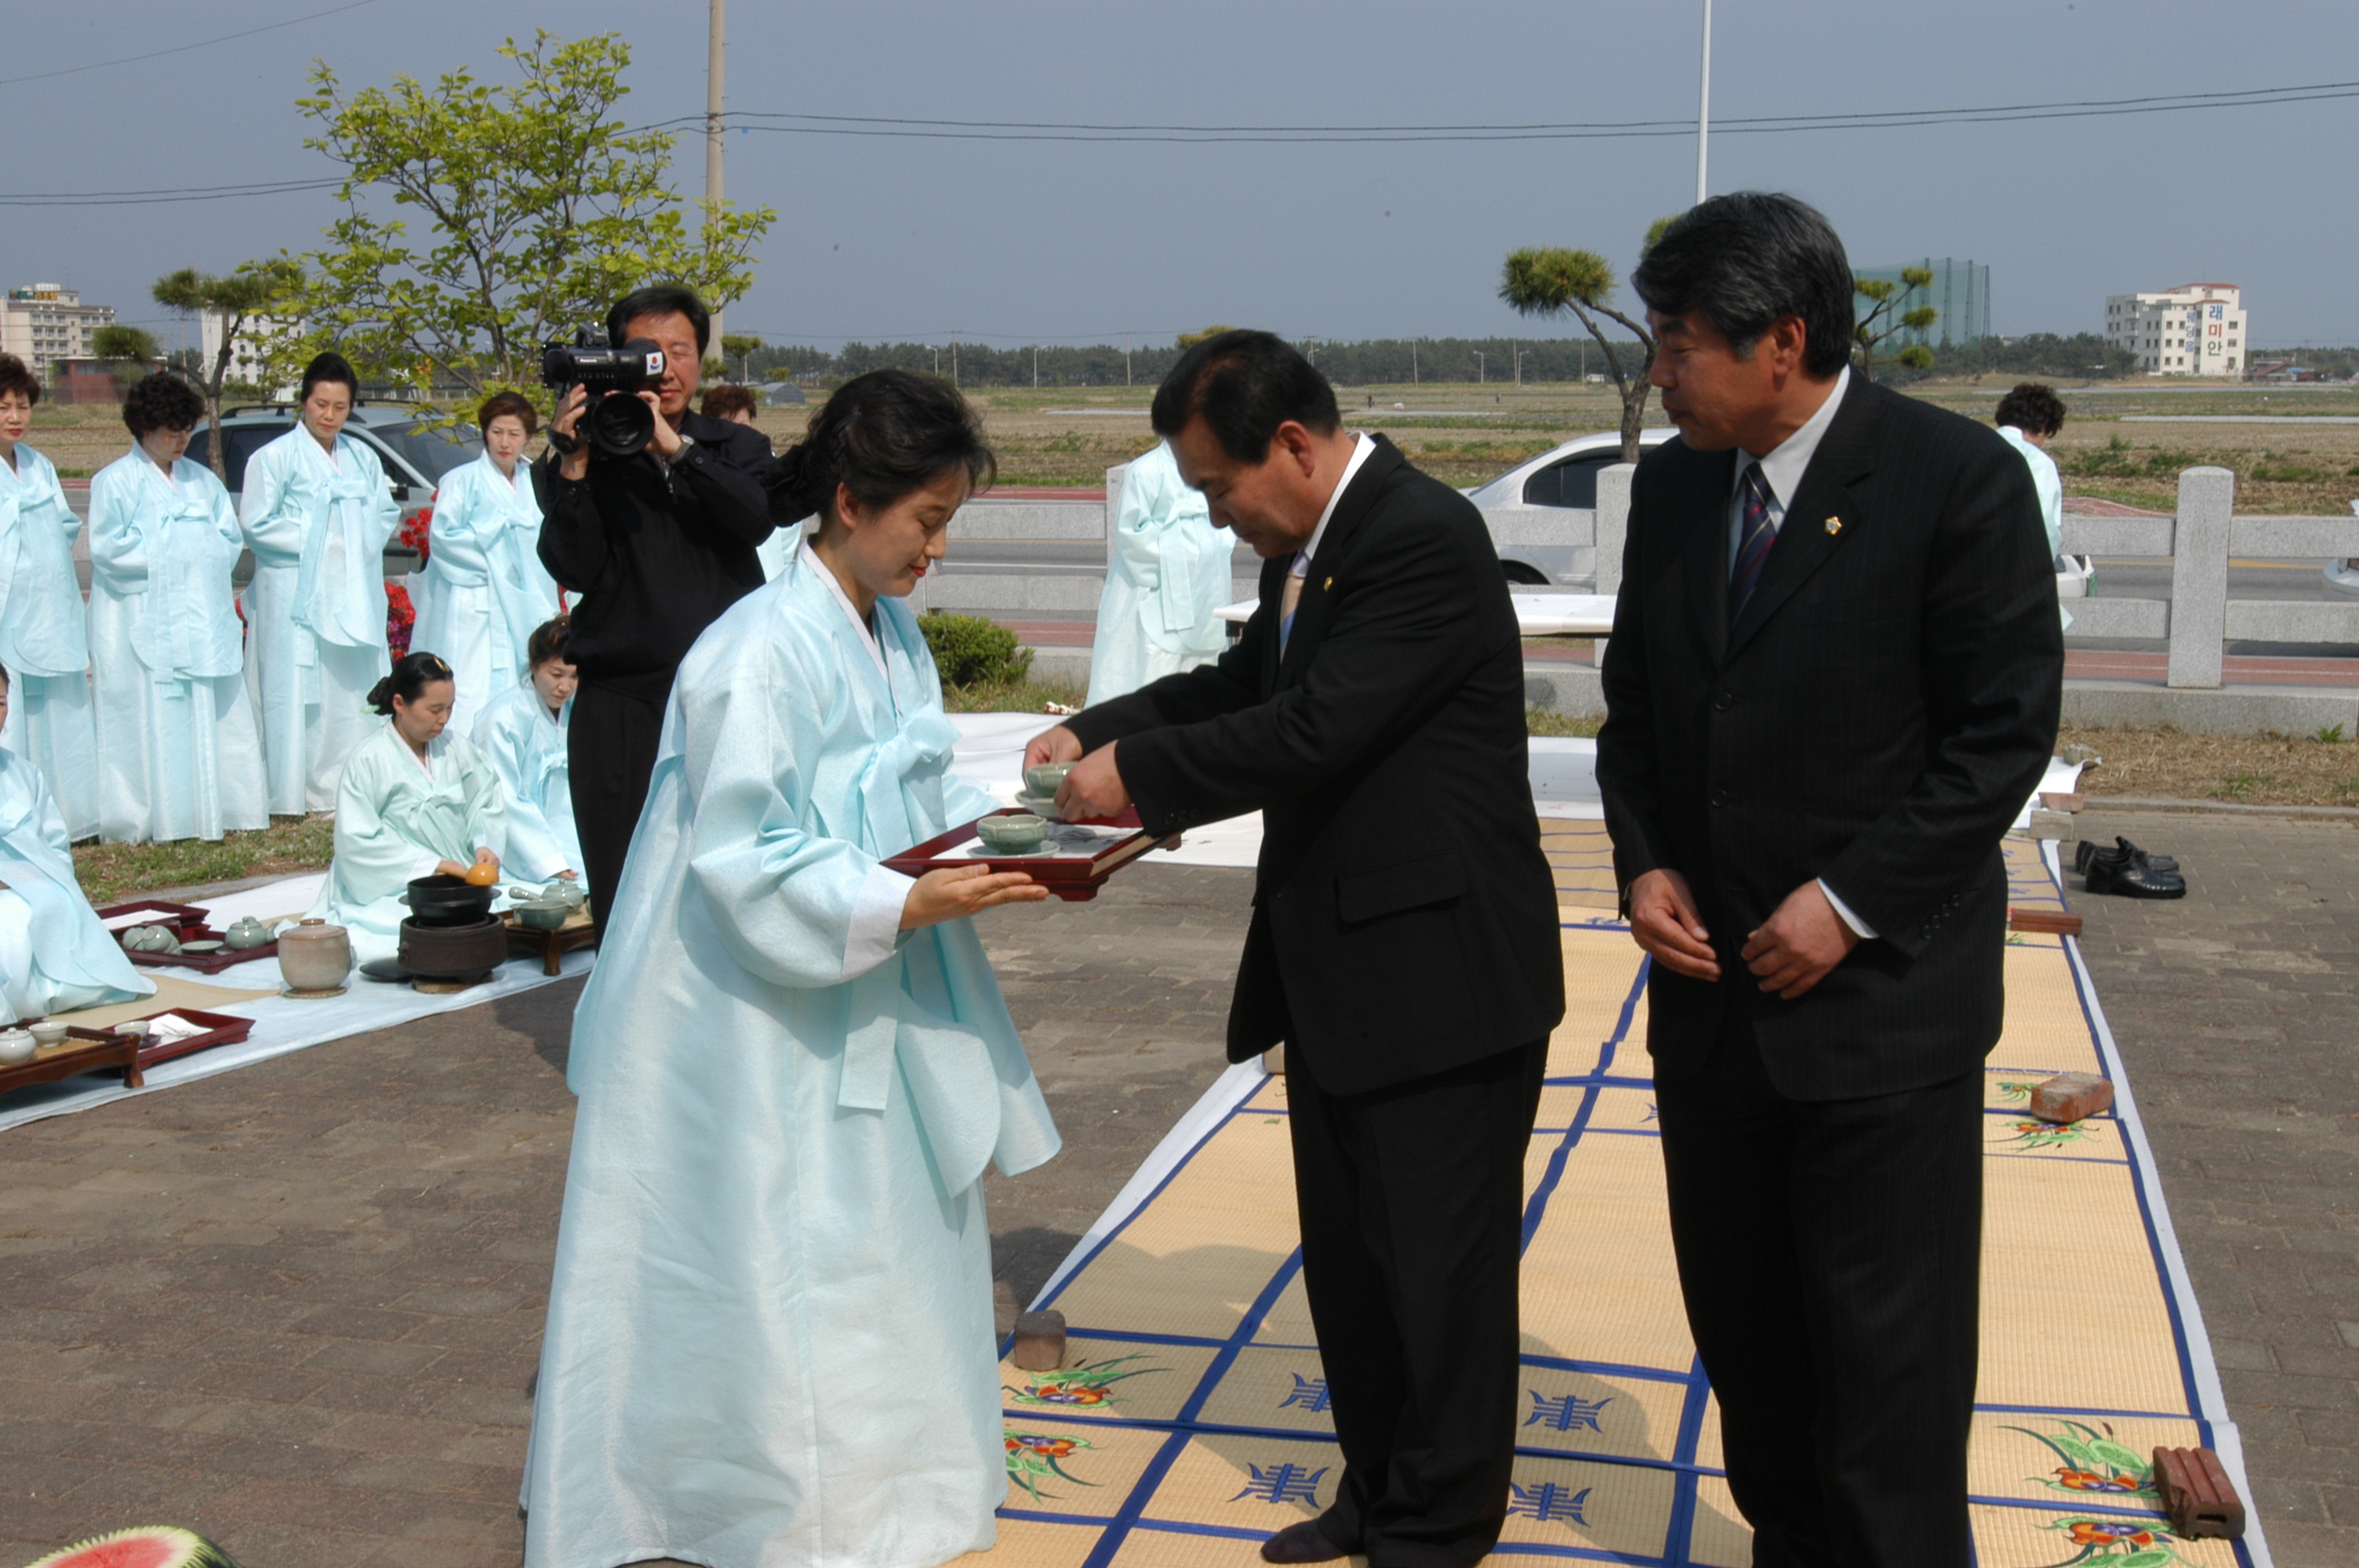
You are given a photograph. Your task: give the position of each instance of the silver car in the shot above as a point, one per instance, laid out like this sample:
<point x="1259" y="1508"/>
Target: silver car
<point x="1563" y="476"/>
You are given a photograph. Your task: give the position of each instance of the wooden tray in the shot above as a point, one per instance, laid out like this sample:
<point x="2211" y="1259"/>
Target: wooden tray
<point x="1069" y="877"/>
<point x="188" y="923"/>
<point x="221" y="1029"/>
<point x="83" y="1051"/>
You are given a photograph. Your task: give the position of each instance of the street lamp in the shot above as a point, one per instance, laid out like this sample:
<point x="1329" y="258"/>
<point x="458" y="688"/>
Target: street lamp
<point x="1478" y="367"/>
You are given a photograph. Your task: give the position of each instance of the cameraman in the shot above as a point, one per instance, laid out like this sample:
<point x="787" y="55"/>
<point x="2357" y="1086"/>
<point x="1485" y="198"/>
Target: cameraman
<point x="658" y="544"/>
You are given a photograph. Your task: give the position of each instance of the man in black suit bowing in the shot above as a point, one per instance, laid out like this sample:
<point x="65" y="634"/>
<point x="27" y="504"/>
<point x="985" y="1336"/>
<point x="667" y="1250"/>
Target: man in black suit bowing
<point x="1832" y="683"/>
<point x="1404" y="941"/>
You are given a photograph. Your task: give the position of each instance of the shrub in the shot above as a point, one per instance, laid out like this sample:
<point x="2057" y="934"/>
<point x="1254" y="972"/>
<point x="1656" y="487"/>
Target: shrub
<point x="969" y="650"/>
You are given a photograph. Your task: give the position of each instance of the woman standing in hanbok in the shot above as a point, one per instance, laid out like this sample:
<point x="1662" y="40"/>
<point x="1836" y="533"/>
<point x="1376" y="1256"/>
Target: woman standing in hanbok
<point x="521" y="732"/>
<point x="1168" y="574"/>
<point x="179" y="753"/>
<point x="55" y="957"/>
<point x="483" y="589"/>
<point x="42" y="638"/>
<point x="317" y="512"/>
<point x="416" y="799"/>
<point x="771" y="1327"/>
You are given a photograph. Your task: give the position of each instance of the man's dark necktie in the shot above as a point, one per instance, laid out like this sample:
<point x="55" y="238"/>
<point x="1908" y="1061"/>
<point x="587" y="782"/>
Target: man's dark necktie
<point x="1753" y="541"/>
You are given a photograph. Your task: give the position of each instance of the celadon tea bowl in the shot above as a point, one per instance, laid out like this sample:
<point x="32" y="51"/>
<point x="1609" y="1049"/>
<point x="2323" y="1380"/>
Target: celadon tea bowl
<point x="1018" y="834"/>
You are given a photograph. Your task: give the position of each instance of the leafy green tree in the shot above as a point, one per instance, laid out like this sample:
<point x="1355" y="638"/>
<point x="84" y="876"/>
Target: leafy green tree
<point x="122" y="342"/>
<point x="541" y="208"/>
<point x="243" y="300"/>
<point x="741" y="347"/>
<point x="1892" y="313"/>
<point x="1549" y="280"/>
<point x="1190" y="340"/>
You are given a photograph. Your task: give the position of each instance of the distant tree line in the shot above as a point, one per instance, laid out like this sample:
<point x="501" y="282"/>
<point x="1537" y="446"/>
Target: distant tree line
<point x="1375" y="362"/>
<point x="2083" y="356"/>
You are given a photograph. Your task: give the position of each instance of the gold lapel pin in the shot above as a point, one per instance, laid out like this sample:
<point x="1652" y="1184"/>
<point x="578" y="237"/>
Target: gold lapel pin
<point x="1326" y="586"/>
<point x="1834" y="525"/>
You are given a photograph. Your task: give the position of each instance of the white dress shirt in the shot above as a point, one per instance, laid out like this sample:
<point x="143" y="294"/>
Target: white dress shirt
<point x="1782" y="471"/>
<point x="1361" y="448"/>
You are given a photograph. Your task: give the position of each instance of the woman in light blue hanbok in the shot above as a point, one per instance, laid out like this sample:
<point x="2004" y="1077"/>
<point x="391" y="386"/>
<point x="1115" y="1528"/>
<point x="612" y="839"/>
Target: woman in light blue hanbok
<point x="483" y="589"/>
<point x="521" y="734"/>
<point x="42" y="640"/>
<point x="1168" y="574"/>
<point x="179" y="753"/>
<point x="770" y="1325"/>
<point x="415" y="800"/>
<point x="317" y="510"/>
<point x="55" y="957"/>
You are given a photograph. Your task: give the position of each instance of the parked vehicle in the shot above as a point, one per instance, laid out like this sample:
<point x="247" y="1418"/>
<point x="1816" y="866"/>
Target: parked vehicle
<point x="416" y="456"/>
<point x="1564" y="476"/>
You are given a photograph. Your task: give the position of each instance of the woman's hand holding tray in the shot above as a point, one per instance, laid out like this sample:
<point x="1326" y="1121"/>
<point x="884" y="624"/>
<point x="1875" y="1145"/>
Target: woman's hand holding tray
<point x="1073" y="867"/>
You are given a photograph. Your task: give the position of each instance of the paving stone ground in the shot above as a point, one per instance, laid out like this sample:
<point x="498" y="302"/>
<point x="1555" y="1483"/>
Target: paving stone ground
<point x="297" y="1307"/>
<point x="2237" y="1012"/>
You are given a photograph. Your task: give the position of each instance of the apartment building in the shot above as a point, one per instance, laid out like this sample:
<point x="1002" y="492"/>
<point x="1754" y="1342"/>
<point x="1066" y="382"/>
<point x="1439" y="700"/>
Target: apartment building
<point x="46" y="322"/>
<point x="2197" y="328"/>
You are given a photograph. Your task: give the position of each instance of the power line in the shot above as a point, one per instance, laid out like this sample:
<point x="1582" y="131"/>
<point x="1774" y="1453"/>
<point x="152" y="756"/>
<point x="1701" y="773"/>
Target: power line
<point x="147" y="197"/>
<point x="183" y="49"/>
<point x="1083" y="131"/>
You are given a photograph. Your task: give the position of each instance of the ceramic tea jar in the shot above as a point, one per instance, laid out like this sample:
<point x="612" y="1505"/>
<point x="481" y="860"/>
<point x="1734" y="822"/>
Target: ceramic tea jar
<point x="315" y="956"/>
<point x="17" y="1047"/>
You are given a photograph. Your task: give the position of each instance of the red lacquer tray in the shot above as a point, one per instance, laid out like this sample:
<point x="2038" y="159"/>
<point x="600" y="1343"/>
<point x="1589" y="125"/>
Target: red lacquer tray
<point x="221" y="1029"/>
<point x="188" y="924"/>
<point x="1070" y="877"/>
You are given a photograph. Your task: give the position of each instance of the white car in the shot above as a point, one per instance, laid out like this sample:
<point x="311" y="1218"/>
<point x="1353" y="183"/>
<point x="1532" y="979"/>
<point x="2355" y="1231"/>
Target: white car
<point x="2343" y="575"/>
<point x="1563" y="476"/>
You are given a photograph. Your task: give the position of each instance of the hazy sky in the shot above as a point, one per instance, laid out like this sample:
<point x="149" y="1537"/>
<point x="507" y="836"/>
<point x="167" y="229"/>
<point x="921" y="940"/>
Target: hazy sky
<point x="919" y="239"/>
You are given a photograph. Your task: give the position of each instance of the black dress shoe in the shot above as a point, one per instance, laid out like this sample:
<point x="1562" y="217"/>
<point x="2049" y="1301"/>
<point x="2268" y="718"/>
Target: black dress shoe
<point x="2123" y="850"/>
<point x="2134" y="877"/>
<point x="1304" y="1543"/>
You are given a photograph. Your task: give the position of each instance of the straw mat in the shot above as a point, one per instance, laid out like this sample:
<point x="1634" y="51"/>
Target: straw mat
<point x="1191" y="1418"/>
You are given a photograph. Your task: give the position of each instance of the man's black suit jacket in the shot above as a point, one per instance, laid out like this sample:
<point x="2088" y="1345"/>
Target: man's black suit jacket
<point x="1876" y="719"/>
<point x="1405" y="920"/>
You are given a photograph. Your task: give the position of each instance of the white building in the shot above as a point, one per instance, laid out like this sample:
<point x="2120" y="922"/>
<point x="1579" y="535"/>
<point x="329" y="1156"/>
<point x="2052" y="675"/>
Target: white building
<point x="2197" y="328"/>
<point x="46" y="323"/>
<point x="248" y="359"/>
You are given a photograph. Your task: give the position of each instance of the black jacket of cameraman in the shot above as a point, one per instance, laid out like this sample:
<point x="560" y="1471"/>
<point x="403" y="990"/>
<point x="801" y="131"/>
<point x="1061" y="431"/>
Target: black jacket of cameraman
<point x="655" y="551"/>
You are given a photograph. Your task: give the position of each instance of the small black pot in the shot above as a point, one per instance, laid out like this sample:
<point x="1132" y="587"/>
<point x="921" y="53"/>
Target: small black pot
<point x="442" y="900"/>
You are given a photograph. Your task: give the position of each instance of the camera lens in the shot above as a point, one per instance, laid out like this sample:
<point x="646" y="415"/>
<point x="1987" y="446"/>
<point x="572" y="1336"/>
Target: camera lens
<point x="620" y="424"/>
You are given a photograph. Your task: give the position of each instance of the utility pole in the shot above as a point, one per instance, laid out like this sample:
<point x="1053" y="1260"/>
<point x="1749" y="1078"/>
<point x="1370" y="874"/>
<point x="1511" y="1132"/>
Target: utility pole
<point x="1520" y="364"/>
<point x="712" y="128"/>
<point x="953" y="358"/>
<point x="1478" y="367"/>
<point x="1703" y="104"/>
<point x="1125" y="359"/>
<point x="1035" y="367"/>
<point x="1412" y="363"/>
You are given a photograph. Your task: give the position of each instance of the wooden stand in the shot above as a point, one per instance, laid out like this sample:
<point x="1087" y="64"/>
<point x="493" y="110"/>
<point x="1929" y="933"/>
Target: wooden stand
<point x="552" y="945"/>
<point x="78" y="1054"/>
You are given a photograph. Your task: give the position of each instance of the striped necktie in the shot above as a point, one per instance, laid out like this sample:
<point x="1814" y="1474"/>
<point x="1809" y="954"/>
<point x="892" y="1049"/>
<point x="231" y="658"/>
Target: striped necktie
<point x="1753" y="543"/>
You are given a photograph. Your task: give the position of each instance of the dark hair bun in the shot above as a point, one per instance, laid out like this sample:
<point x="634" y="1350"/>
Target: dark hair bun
<point x="411" y="675"/>
<point x="882" y="435"/>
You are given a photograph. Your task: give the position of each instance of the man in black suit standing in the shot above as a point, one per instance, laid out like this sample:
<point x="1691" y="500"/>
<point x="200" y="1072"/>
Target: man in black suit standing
<point x="1832" y="683"/>
<point x="1403" y="943"/>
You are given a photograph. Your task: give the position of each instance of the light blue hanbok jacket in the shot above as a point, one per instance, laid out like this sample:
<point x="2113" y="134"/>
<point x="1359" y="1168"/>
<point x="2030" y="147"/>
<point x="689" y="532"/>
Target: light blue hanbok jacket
<point x="769" y="1334"/>
<point x="41" y="630"/>
<point x="2049" y="485"/>
<point x="483" y="589"/>
<point x="54" y="954"/>
<point x="525" y="746"/>
<point x="1168" y="572"/>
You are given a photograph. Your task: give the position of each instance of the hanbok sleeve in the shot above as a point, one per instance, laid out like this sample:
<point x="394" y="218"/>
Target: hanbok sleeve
<point x="784" y="899"/>
<point x="118" y="544"/>
<point x="386" y="515"/>
<point x="268" y="522"/>
<point x="487" y="810"/>
<point x="373" y="859"/>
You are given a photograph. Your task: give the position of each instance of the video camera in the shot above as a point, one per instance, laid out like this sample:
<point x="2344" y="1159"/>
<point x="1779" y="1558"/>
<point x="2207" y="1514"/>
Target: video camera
<point x="616" y="425"/>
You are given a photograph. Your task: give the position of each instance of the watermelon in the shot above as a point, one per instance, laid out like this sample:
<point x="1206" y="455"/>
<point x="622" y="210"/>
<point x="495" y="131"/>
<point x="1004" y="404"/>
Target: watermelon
<point x="152" y="1546"/>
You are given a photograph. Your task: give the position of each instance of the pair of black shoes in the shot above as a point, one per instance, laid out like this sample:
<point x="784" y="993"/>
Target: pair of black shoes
<point x="2128" y="871"/>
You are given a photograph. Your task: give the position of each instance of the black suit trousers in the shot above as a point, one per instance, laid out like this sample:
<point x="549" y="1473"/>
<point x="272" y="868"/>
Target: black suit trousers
<point x="610" y="755"/>
<point x="1411" y="1205"/>
<point x="1830" y="1252"/>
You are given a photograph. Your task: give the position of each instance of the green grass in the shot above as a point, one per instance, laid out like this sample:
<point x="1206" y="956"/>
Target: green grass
<point x="1012" y="697"/>
<point x="1540" y="721"/>
<point x="108" y="872"/>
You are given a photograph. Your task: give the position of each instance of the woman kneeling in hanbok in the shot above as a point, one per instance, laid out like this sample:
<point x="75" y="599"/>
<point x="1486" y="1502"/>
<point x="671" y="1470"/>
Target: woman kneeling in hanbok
<point x="521" y="732"/>
<point x="54" y="955"/>
<point x="178" y="754"/>
<point x="415" y="800"/>
<point x="770" y="1325"/>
